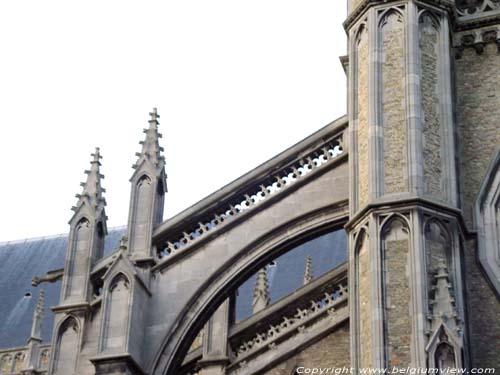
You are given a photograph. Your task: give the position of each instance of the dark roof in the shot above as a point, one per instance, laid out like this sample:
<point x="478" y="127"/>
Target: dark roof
<point x="20" y="261"/>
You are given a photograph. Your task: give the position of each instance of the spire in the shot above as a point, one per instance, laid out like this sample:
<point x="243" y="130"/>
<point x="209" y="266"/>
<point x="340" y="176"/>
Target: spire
<point x="151" y="150"/>
<point x="261" y="292"/>
<point x="36" y="327"/>
<point x="92" y="190"/>
<point x="308" y="274"/>
<point x="147" y="195"/>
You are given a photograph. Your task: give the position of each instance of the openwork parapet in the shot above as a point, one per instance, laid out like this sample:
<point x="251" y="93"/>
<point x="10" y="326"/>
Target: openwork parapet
<point x="479" y="9"/>
<point x="251" y="196"/>
<point x="323" y="307"/>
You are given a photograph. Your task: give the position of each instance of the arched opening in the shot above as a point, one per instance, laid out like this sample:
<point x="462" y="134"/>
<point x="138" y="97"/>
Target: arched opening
<point x="116" y="315"/>
<point x="286" y="273"/>
<point x="396" y="290"/>
<point x="445" y="358"/>
<point x="141" y="211"/>
<point x="279" y="280"/>
<point x="79" y="259"/>
<point x="66" y="349"/>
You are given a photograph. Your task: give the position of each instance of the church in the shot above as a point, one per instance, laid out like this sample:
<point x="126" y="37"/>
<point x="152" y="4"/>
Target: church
<point x="374" y="243"/>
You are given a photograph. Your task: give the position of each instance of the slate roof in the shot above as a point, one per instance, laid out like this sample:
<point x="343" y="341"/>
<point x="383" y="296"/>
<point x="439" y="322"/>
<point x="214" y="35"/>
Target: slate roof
<point x="20" y="261"/>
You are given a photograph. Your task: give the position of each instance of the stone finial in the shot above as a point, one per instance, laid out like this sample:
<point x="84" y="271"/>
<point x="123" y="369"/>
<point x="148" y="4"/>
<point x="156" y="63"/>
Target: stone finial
<point x="308" y="274"/>
<point x="261" y="292"/>
<point x="151" y="150"/>
<point x="443" y="303"/>
<point x="36" y="327"/>
<point x="92" y="188"/>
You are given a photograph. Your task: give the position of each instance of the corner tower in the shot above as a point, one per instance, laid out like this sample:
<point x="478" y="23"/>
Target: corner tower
<point x="147" y="196"/>
<point x="405" y="224"/>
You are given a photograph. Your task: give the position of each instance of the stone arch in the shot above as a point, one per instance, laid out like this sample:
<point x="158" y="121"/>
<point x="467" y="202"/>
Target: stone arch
<point x="385" y="14"/>
<point x="81" y="243"/>
<point x="44" y="359"/>
<point x="396" y="289"/>
<point x="445" y="356"/>
<point x="116" y="317"/>
<point x="358" y="33"/>
<point x="387" y="222"/>
<point x="438" y="248"/>
<point x="68" y="336"/>
<point x="359" y="106"/>
<point x="6" y="364"/>
<point x="363" y="299"/>
<point x="19" y="361"/>
<point x="247" y="261"/>
<point x="433" y="17"/>
<point x="142" y="209"/>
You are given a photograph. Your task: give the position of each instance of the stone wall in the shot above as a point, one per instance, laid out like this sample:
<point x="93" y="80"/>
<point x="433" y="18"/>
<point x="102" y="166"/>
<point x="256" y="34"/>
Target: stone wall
<point x="365" y="306"/>
<point x="393" y="104"/>
<point x="431" y="107"/>
<point x="331" y="351"/>
<point x="478" y="114"/>
<point x="483" y="313"/>
<point x="397" y="296"/>
<point x="362" y="116"/>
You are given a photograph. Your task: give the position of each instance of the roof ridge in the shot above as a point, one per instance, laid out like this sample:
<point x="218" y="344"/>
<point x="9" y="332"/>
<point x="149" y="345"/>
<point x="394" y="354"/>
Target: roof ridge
<point x="49" y="237"/>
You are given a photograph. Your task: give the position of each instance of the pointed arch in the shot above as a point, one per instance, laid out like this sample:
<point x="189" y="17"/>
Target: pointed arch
<point x="235" y="270"/>
<point x="433" y="17"/>
<point x="116" y="317"/>
<point x="81" y="243"/>
<point x="44" y="359"/>
<point x="6" y="364"/>
<point x="142" y="207"/>
<point x="360" y="235"/>
<point x="67" y="346"/>
<point x="387" y="222"/>
<point x="444" y="349"/>
<point x="359" y="31"/>
<point x="19" y="358"/>
<point x="384" y="15"/>
<point x="438" y="248"/>
<point x="396" y="291"/>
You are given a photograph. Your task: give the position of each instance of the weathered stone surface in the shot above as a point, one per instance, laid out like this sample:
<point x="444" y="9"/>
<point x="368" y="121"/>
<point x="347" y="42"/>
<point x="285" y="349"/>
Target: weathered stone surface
<point x="397" y="297"/>
<point x="362" y="116"/>
<point x="478" y="114"/>
<point x="365" y="306"/>
<point x="484" y="312"/>
<point x="331" y="351"/>
<point x="393" y="105"/>
<point x="431" y="107"/>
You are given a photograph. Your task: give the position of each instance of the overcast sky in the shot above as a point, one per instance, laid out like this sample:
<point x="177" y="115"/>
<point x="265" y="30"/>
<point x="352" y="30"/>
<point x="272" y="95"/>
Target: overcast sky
<point x="235" y="83"/>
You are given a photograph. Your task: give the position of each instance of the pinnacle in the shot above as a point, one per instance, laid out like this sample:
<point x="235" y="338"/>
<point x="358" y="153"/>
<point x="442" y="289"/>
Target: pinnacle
<point x="36" y="325"/>
<point x="40" y="303"/>
<point x="151" y="150"/>
<point x="261" y="291"/>
<point x="92" y="189"/>
<point x="308" y="274"/>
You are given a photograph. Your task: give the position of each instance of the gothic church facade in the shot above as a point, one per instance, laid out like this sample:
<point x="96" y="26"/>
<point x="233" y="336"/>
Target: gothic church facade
<point x="410" y="176"/>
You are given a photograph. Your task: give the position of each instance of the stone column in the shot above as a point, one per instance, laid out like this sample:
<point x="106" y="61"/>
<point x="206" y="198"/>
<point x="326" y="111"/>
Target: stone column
<point x="215" y="342"/>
